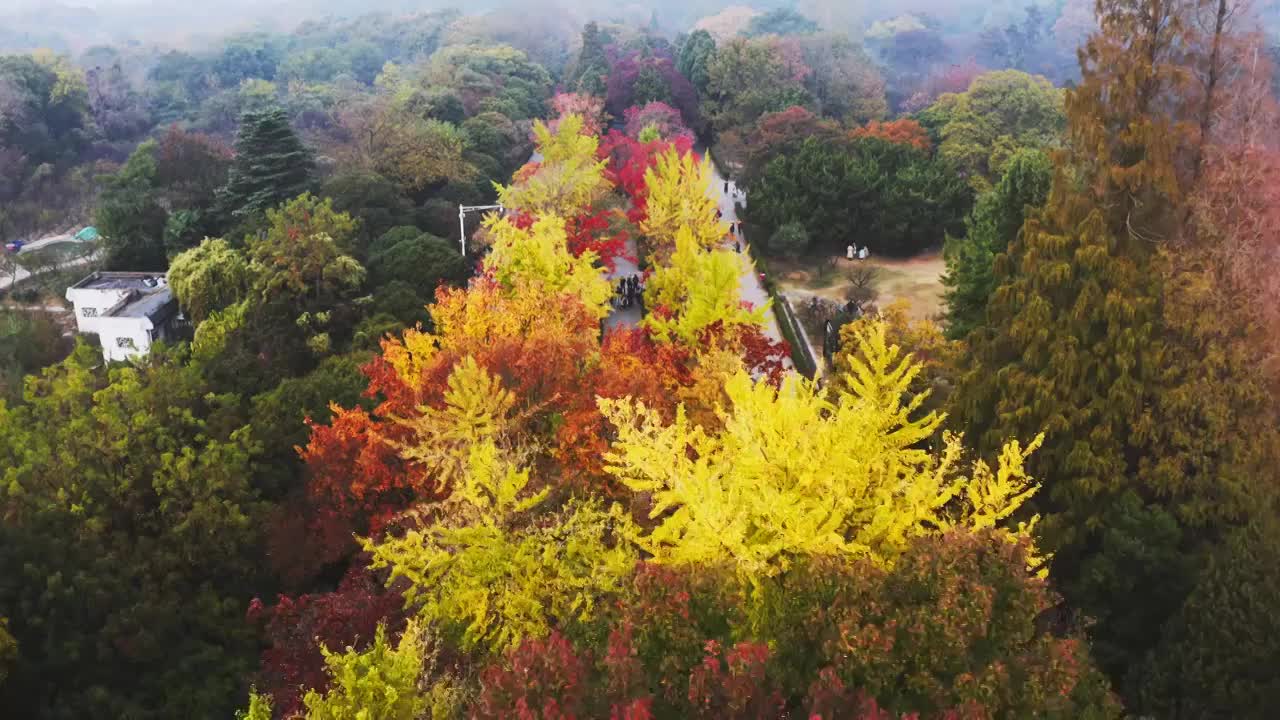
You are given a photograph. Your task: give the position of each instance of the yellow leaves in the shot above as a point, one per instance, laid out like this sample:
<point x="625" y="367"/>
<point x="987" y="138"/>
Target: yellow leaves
<point x="879" y="375"/>
<point x="478" y="563"/>
<point x="568" y="179"/>
<point x="410" y="354"/>
<point x="993" y="497"/>
<point x="788" y="472"/>
<point x="680" y="200"/>
<point x="536" y="262"/>
<point x="479" y="314"/>
<point x="695" y="290"/>
<point x="380" y="683"/>
<point x="493" y="486"/>
<point x="489" y="585"/>
<point x="990" y="498"/>
<point x="476" y="412"/>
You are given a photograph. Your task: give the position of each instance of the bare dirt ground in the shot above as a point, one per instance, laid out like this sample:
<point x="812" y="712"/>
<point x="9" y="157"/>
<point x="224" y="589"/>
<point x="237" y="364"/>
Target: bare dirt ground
<point x="917" y="280"/>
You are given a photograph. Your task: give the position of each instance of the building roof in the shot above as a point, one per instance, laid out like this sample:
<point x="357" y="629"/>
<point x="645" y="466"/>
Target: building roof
<point x="144" y="295"/>
<point x="140" y="281"/>
<point x="158" y="305"/>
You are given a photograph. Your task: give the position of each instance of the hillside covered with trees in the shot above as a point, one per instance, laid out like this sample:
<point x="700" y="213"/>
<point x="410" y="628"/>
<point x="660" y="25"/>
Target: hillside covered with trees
<point x="393" y="474"/>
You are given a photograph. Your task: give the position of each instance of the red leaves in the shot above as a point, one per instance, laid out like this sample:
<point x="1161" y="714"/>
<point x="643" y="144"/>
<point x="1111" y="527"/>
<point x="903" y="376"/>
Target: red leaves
<point x="589" y="232"/>
<point x="296" y="627"/>
<point x="629" y="159"/>
<point x="542" y="679"/>
<point x="356" y="472"/>
<point x="735" y="683"/>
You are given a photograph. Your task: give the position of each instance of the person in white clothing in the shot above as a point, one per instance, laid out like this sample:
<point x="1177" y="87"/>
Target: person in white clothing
<point x="864" y="253"/>
<point x="848" y="253"/>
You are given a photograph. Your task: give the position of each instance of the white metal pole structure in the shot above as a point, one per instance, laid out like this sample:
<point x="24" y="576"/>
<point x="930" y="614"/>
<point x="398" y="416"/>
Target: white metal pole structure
<point x="462" y="224"/>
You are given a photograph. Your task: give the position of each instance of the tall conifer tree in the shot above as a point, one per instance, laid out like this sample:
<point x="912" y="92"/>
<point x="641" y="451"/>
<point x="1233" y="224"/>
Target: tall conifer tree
<point x="271" y="166"/>
<point x="1153" y="441"/>
<point x="993" y="224"/>
<point x="593" y="64"/>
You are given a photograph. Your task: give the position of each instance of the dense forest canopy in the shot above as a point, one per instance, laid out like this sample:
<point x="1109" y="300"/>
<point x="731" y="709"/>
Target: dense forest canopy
<point x="535" y="360"/>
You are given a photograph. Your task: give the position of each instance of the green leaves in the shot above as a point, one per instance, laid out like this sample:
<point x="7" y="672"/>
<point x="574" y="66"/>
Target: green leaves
<point x="1000" y="113"/>
<point x="891" y="197"/>
<point x="989" y="230"/>
<point x="209" y="277"/>
<point x="270" y="167"/>
<point x="149" y="474"/>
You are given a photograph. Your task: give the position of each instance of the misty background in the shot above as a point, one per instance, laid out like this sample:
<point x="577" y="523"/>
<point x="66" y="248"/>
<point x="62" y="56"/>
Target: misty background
<point x="72" y="26"/>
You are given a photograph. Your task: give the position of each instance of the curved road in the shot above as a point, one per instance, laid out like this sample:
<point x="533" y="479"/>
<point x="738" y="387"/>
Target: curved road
<point x="20" y="273"/>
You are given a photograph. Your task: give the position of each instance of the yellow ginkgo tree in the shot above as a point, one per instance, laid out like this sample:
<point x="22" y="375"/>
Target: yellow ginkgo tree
<point x="488" y="566"/>
<point x="535" y="262"/>
<point x="789" y="472"/>
<point x="567" y="180"/>
<point x="680" y="199"/>
<point x="695" y="289"/>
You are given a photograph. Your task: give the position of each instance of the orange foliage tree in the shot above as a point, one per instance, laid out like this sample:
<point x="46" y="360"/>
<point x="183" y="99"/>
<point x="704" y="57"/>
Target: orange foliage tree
<point x="903" y="132"/>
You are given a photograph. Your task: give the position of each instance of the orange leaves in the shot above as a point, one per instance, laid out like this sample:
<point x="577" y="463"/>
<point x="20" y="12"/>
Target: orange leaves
<point x="901" y="132"/>
<point x="477" y="316"/>
<point x="544" y="350"/>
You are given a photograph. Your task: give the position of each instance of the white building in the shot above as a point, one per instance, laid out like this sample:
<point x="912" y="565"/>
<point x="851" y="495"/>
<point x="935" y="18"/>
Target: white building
<point x="128" y="311"/>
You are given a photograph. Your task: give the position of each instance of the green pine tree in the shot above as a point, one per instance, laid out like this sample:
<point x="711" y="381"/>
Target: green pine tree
<point x="271" y="166"/>
<point x="989" y="229"/>
<point x="589" y="73"/>
<point x="695" y="53"/>
<point x="1220" y="655"/>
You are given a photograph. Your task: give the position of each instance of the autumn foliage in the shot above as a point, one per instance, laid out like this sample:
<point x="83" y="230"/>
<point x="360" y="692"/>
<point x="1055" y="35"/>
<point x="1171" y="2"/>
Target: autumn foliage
<point x="545" y="520"/>
<point x="904" y="132"/>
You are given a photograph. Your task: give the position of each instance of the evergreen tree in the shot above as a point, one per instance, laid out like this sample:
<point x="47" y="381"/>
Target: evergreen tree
<point x="128" y="216"/>
<point x="593" y="65"/>
<point x="1220" y="657"/>
<point x="694" y="56"/>
<point x="271" y="165"/>
<point x="989" y="229"/>
<point x="893" y="197"/>
<point x="1153" y="436"/>
<point x="650" y="86"/>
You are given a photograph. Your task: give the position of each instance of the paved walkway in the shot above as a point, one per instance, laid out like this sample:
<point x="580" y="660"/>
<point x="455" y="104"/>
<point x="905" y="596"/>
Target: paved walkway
<point x="20" y="273"/>
<point x="623" y="267"/>
<point x="750" y="288"/>
<point x="37" y="244"/>
<point x="10" y="278"/>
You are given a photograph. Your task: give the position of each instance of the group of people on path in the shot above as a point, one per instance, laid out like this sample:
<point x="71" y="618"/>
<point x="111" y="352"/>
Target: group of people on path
<point x="629" y="290"/>
<point x="860" y="253"/>
<point x="735" y="231"/>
